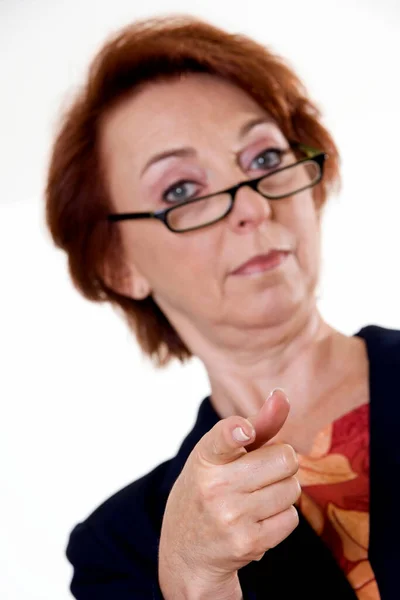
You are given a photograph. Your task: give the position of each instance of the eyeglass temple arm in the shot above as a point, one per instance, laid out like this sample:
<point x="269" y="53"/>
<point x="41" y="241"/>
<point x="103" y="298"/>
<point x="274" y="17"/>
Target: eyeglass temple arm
<point x="310" y="151"/>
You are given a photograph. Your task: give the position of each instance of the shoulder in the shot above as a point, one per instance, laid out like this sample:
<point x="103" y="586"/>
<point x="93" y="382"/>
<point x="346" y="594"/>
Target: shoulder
<point x="383" y="349"/>
<point x="383" y="344"/>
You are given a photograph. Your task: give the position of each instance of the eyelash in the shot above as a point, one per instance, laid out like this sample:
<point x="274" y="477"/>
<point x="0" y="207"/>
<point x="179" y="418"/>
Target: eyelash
<point x="182" y="182"/>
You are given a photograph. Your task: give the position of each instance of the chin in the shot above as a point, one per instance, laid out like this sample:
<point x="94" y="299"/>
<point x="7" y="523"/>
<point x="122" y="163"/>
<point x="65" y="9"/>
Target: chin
<point x="268" y="312"/>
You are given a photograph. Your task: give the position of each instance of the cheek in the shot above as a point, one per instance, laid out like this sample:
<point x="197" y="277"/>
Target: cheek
<point x="309" y="251"/>
<point x="305" y="226"/>
<point x="167" y="259"/>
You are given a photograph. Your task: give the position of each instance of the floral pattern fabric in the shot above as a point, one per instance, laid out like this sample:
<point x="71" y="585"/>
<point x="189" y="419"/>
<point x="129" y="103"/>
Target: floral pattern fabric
<point x="335" y="496"/>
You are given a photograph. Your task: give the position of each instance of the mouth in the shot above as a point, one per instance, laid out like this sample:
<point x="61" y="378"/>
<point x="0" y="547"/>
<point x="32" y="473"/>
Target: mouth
<point x="262" y="262"/>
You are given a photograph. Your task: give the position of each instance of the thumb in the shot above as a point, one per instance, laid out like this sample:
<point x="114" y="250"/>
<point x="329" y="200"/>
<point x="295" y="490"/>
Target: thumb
<point x="224" y="442"/>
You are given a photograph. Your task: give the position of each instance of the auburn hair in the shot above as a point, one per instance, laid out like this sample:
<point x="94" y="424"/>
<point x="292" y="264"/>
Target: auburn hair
<point x="76" y="197"/>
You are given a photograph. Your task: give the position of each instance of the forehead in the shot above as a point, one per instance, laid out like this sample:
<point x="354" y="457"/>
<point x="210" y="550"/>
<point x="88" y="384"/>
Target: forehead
<point x="191" y="105"/>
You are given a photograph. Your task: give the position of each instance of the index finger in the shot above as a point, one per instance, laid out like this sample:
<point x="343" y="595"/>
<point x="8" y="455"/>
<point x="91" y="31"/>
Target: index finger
<point x="270" y="419"/>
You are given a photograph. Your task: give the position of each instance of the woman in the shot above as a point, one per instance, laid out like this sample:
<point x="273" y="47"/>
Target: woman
<point x="187" y="185"/>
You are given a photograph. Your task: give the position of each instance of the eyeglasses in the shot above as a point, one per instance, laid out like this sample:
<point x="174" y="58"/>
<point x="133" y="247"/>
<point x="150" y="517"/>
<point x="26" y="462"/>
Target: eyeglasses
<point x="196" y="213"/>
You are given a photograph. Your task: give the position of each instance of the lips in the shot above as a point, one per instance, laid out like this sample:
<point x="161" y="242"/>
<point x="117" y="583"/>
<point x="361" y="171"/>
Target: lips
<point x="262" y="262"/>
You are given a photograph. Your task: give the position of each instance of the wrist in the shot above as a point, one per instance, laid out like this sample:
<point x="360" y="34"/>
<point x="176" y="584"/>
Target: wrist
<point x="206" y="589"/>
<point x="183" y="584"/>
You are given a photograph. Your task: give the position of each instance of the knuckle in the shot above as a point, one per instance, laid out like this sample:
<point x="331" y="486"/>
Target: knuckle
<point x="229" y="516"/>
<point x="293" y="518"/>
<point x="289" y="459"/>
<point x="243" y="547"/>
<point x="296" y="489"/>
<point x="288" y="522"/>
<point x="216" y="446"/>
<point x="289" y="493"/>
<point x="212" y="488"/>
<point x="218" y="441"/>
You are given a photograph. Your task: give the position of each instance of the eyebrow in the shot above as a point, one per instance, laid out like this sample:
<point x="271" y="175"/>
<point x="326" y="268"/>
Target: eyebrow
<point x="252" y="123"/>
<point x="187" y="151"/>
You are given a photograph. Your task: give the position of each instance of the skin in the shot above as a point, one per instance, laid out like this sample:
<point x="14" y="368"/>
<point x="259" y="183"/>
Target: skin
<point x="252" y="333"/>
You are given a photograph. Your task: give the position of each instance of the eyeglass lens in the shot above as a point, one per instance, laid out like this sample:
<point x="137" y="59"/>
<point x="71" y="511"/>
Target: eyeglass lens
<point x="282" y="183"/>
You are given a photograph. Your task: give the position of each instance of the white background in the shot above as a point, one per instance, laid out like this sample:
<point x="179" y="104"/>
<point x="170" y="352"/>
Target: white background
<point x="81" y="413"/>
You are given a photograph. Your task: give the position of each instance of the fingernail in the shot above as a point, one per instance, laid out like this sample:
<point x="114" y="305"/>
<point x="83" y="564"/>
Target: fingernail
<point x="239" y="435"/>
<point x="275" y="390"/>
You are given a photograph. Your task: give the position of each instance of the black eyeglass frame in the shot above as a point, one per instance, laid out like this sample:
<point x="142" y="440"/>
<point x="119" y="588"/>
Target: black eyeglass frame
<point x="313" y="154"/>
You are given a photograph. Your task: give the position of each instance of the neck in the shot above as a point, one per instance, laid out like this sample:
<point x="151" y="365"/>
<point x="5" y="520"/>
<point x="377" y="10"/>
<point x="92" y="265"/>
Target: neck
<point x="243" y="369"/>
<point x="293" y="356"/>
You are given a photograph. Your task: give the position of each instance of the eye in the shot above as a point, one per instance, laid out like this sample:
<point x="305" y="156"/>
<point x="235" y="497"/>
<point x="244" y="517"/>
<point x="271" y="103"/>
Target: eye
<point x="180" y="191"/>
<point x="271" y="158"/>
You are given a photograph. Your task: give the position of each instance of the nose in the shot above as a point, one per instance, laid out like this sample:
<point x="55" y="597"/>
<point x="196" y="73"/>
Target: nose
<point x="249" y="211"/>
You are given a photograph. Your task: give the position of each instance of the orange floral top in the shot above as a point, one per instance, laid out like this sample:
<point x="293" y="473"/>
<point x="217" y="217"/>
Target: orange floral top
<point x="335" y="499"/>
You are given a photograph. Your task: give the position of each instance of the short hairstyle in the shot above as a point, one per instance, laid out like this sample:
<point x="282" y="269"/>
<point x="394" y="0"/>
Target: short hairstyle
<point x="77" y="200"/>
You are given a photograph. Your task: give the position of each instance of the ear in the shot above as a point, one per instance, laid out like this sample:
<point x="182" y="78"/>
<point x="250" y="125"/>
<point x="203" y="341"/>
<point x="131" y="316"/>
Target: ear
<point x="127" y="281"/>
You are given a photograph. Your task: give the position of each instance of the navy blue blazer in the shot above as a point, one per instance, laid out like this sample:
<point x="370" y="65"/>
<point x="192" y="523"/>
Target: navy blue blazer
<point x="114" y="551"/>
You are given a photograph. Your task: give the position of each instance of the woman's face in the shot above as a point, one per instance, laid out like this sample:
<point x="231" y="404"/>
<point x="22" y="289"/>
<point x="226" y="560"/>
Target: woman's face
<point x="190" y="275"/>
